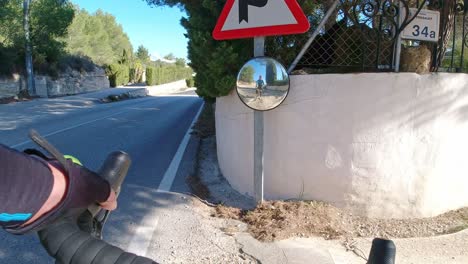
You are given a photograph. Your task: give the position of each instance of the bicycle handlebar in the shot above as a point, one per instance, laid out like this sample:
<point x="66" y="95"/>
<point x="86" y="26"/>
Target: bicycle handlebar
<point x="65" y="242"/>
<point x="76" y="237"/>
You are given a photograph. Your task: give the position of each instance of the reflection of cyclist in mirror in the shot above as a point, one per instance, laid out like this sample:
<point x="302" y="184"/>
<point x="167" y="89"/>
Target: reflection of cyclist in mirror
<point x="260" y="85"/>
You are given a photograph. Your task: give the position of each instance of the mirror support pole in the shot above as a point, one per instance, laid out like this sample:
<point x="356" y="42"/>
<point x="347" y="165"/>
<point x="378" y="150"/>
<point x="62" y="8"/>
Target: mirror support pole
<point x="259" y="50"/>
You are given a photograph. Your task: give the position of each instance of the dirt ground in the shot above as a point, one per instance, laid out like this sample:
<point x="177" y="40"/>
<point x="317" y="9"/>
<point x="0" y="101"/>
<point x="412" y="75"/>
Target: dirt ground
<point x="205" y="125"/>
<point x="9" y="100"/>
<point x="279" y="220"/>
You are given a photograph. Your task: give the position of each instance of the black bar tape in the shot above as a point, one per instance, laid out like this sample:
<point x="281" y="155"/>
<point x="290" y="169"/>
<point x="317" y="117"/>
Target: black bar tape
<point x="126" y="258"/>
<point x="88" y="252"/>
<point x="141" y="260"/>
<point x="108" y="255"/>
<point x="55" y="236"/>
<point x="69" y="245"/>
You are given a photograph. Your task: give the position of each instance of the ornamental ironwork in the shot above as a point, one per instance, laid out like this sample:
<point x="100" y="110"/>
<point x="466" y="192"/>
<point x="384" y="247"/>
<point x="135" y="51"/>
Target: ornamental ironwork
<point x="361" y="35"/>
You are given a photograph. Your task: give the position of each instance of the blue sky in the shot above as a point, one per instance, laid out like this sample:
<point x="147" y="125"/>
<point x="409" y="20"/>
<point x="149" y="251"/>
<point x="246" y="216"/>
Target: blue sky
<point x="260" y="69"/>
<point x="157" y="28"/>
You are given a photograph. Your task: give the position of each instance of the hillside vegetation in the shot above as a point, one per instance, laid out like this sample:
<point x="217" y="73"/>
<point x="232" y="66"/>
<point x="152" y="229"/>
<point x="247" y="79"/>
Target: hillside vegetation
<point x="63" y="37"/>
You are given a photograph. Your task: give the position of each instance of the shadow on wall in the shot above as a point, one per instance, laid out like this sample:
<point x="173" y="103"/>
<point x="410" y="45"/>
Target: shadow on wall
<point x="397" y="136"/>
<point x="385" y="145"/>
<point x="431" y="97"/>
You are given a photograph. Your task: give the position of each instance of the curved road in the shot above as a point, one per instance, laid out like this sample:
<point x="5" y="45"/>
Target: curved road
<point x="150" y="129"/>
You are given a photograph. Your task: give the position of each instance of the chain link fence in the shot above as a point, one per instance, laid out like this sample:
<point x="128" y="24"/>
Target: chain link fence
<point x="361" y="36"/>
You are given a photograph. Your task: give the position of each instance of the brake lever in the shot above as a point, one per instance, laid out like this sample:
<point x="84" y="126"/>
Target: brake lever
<point x="114" y="170"/>
<point x="94" y="225"/>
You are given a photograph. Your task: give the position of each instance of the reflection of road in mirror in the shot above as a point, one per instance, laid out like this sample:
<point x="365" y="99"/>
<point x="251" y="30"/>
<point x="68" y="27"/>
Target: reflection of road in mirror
<point x="271" y="96"/>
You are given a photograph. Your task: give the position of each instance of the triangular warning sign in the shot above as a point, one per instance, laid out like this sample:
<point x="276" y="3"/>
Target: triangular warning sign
<point x="255" y="18"/>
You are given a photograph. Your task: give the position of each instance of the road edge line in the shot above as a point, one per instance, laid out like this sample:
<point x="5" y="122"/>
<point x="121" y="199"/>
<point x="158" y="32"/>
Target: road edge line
<point x="143" y="235"/>
<point x="171" y="172"/>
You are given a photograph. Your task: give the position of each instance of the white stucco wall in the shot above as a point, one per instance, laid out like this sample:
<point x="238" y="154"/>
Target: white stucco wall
<point x="383" y="144"/>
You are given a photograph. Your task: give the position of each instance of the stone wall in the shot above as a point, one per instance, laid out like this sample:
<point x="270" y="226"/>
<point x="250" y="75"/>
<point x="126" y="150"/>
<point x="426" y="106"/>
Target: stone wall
<point x="76" y="82"/>
<point x="9" y="87"/>
<point x="384" y="145"/>
<point x="71" y="82"/>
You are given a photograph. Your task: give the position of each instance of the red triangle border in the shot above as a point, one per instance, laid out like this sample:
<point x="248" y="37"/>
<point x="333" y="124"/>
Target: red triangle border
<point x="302" y="26"/>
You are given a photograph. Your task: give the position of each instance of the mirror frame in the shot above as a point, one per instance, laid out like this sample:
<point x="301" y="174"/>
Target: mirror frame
<point x="287" y="92"/>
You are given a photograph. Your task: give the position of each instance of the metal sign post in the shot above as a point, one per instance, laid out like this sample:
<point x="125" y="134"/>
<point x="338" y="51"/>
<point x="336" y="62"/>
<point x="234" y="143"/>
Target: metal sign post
<point x="398" y="42"/>
<point x="266" y="18"/>
<point x="259" y="50"/>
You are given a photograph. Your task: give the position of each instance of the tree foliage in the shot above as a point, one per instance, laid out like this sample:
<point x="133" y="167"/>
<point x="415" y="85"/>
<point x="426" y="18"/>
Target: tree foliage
<point x="181" y="62"/>
<point x="11" y="23"/>
<point x="64" y="36"/>
<point x="247" y="74"/>
<point x="142" y="54"/>
<point x="49" y="20"/>
<point x="170" y="56"/>
<point x="119" y="74"/>
<point x="215" y="62"/>
<point x="99" y="37"/>
<point x="218" y="62"/>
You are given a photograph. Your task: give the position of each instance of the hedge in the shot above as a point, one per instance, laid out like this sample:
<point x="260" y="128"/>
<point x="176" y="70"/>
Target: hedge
<point x="118" y="74"/>
<point x="167" y="74"/>
<point x="150" y="76"/>
<point x="136" y="72"/>
<point x="190" y="82"/>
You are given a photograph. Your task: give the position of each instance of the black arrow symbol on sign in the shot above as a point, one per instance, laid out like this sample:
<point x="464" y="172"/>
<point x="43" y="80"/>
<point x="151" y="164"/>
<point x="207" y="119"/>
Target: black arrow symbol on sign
<point x="244" y="8"/>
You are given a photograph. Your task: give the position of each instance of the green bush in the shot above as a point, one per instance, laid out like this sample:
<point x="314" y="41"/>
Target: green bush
<point x="78" y="63"/>
<point x="150" y="78"/>
<point x="136" y="72"/>
<point x="132" y="75"/>
<point x="167" y="74"/>
<point x="118" y="74"/>
<point x="10" y="61"/>
<point x="125" y="76"/>
<point x="190" y="82"/>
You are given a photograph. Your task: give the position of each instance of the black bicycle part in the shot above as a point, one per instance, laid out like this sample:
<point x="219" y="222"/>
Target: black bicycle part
<point x="114" y="170"/>
<point x="69" y="245"/>
<point x="383" y="251"/>
<point x="75" y="237"/>
<point x="43" y="143"/>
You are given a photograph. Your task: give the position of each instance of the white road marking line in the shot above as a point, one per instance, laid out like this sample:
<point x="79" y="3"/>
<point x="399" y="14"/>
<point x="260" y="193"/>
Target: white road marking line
<point x="171" y="172"/>
<point x="144" y="233"/>
<point x="70" y="128"/>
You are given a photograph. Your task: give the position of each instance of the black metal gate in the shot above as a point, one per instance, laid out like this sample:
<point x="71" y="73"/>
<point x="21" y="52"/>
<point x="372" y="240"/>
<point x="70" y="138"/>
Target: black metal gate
<point x="361" y="36"/>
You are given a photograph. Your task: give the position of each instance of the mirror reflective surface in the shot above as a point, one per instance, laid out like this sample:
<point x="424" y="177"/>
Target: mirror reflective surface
<point x="263" y="83"/>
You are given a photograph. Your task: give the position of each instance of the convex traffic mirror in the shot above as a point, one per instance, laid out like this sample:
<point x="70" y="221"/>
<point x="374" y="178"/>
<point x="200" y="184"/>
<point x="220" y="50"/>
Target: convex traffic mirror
<point x="263" y="83"/>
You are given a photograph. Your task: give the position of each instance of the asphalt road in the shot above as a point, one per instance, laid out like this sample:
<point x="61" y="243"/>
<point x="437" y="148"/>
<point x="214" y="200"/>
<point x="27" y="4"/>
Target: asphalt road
<point x="150" y="129"/>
